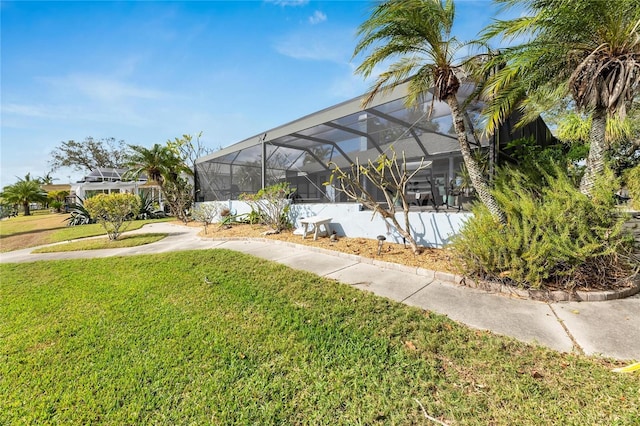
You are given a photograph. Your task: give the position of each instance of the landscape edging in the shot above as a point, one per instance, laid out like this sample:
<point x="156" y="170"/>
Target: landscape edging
<point x="539" y="295"/>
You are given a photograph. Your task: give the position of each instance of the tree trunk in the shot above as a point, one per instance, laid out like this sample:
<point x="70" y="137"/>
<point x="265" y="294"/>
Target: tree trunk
<point x="27" y="210"/>
<point x="404" y="232"/>
<point x="597" y="147"/>
<point x="475" y="172"/>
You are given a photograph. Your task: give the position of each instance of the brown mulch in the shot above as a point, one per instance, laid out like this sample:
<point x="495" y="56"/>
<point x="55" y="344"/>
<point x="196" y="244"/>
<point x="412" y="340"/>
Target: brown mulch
<point x="434" y="259"/>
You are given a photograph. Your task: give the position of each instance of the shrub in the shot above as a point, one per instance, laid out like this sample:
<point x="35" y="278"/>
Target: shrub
<point x="206" y="213"/>
<point x="271" y="204"/>
<point x="79" y="214"/>
<point x="554" y="236"/>
<point x="113" y="211"/>
<point x="147" y="208"/>
<point x="632" y="177"/>
<point x="56" y="205"/>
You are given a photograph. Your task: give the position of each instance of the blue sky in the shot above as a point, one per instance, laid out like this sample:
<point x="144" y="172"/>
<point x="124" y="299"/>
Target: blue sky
<point x="148" y="71"/>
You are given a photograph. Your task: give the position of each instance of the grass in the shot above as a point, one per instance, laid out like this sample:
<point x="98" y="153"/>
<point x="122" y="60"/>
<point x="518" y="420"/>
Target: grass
<point x="146" y="339"/>
<point x="40" y="220"/>
<point x="104" y="243"/>
<point x="44" y="227"/>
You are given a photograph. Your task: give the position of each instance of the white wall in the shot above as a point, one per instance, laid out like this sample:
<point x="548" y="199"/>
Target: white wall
<point x="430" y="229"/>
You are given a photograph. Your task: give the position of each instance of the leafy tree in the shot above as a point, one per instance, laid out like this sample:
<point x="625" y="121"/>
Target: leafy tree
<point x="160" y="163"/>
<point x="24" y="192"/>
<point x="588" y="49"/>
<point x="189" y="149"/>
<point x="178" y="194"/>
<point x="416" y="36"/>
<point x="89" y="154"/>
<point x="113" y="211"/>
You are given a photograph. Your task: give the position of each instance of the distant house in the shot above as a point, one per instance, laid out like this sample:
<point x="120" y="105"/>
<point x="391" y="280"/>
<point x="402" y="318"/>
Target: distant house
<point x="111" y="181"/>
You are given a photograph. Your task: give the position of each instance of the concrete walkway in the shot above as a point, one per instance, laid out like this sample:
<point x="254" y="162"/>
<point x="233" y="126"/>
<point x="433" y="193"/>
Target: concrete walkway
<point x="609" y="328"/>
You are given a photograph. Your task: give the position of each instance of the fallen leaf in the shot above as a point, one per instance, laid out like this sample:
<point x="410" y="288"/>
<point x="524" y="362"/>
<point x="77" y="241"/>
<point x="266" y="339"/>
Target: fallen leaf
<point x="409" y="344"/>
<point x="536" y="375"/>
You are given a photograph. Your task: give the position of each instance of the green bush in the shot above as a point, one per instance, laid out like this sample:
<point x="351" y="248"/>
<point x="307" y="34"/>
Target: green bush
<point x="113" y="211"/>
<point x="271" y="205"/>
<point x="554" y="236"/>
<point x="632" y="177"/>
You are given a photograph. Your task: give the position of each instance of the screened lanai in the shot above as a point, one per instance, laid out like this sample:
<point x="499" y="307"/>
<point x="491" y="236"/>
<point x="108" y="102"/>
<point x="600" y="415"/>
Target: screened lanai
<point x="303" y="152"/>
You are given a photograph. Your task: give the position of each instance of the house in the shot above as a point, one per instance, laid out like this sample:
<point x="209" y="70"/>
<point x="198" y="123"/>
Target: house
<point x="112" y="180"/>
<point x="302" y="153"/>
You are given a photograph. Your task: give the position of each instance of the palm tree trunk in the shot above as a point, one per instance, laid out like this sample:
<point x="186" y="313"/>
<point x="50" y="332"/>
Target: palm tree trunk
<point x="27" y="210"/>
<point x="475" y="172"/>
<point x="597" y="147"/>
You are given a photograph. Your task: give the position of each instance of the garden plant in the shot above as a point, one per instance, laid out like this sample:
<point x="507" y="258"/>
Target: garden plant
<point x="113" y="211"/>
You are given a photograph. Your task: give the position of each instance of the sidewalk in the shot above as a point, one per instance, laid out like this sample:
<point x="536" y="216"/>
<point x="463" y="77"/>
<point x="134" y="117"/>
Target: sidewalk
<point x="610" y="328"/>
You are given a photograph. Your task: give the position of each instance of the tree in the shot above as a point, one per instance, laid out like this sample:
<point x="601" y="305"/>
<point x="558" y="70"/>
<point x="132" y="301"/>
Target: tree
<point x="189" y="150"/>
<point x="24" y="192"/>
<point x="113" y="211"/>
<point x="163" y="165"/>
<point x="588" y="49"/>
<point x="621" y="136"/>
<point x="178" y="194"/>
<point x="47" y="179"/>
<point x="416" y="35"/>
<point x="390" y="176"/>
<point x="57" y="199"/>
<point x="156" y="162"/>
<point x="89" y="154"/>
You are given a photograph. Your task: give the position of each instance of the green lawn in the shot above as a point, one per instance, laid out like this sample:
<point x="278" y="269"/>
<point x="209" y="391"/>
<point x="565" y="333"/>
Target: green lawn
<point x="145" y="340"/>
<point x="104" y="243"/>
<point x="44" y="227"/>
<point x="95" y="229"/>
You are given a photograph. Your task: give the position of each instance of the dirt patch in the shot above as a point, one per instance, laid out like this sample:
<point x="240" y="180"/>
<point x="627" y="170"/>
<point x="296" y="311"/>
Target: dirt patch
<point x="29" y="231"/>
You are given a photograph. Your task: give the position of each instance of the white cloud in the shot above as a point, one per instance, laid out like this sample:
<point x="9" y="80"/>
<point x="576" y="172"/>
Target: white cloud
<point x="327" y="45"/>
<point x="285" y="3"/>
<point x="106" y="88"/>
<point x="25" y="110"/>
<point x="317" y="17"/>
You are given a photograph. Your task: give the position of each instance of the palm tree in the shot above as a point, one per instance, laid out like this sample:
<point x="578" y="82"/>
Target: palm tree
<point x="589" y="49"/>
<point x="416" y="34"/>
<point x="160" y="163"/>
<point x="24" y="192"/>
<point x="164" y="165"/>
<point x="47" y="179"/>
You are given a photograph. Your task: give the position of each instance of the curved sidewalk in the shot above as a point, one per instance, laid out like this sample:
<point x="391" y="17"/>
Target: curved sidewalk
<point x="610" y="328"/>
